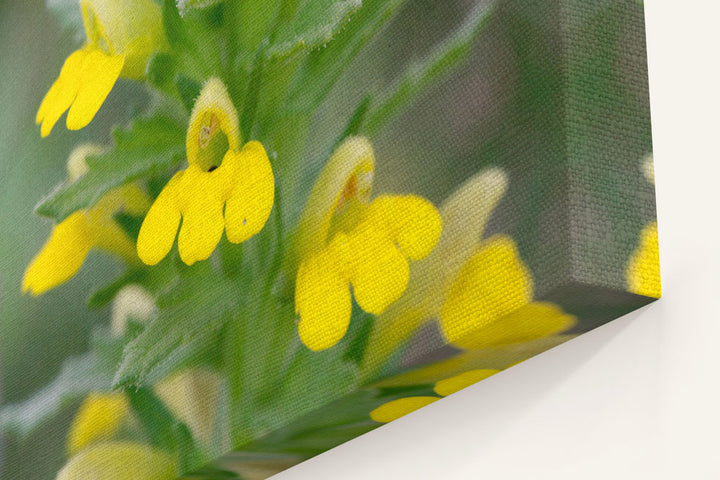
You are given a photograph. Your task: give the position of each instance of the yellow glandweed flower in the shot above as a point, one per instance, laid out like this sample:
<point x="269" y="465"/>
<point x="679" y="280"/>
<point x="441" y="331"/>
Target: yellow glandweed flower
<point x="100" y="417"/>
<point x="643" y="269"/>
<point x="402" y="406"/>
<point x="72" y="239"/>
<point x="120" y="36"/>
<point x="345" y="240"/>
<point x="119" y="461"/>
<point x="224" y="187"/>
<point x="642" y="273"/>
<point x="480" y="290"/>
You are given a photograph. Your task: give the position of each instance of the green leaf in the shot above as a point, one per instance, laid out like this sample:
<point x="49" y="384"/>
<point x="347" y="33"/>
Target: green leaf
<point x="150" y="146"/>
<point x="164" y="430"/>
<point x="323" y="66"/>
<point x="172" y="23"/>
<point x="188" y="89"/>
<point x="160" y="69"/>
<point x="186" y="329"/>
<point x="80" y="375"/>
<point x="424" y="73"/>
<point x="313" y="25"/>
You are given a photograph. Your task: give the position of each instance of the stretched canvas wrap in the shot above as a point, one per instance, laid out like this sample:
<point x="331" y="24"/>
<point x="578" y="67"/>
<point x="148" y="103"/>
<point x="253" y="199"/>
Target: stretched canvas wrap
<point x="238" y="233"/>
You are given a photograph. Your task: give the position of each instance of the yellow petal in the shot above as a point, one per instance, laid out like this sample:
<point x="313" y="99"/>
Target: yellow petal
<point x="203" y="222"/>
<point x="525" y="324"/>
<point x="61" y="257"/>
<point x="414" y="222"/>
<point x="62" y="92"/>
<point x="643" y="270"/>
<point x="158" y="230"/>
<point x="458" y="382"/>
<point x="99" y="74"/>
<point x="464" y="216"/>
<point x="398" y="408"/>
<point x="379" y="272"/>
<point x="492" y="284"/>
<point x="348" y="174"/>
<point x="253" y="194"/>
<point x="109" y="236"/>
<point x="100" y="417"/>
<point x="496" y="358"/>
<point x="322" y="297"/>
<point x="212" y="113"/>
<point x="134" y="200"/>
<point x="119" y="461"/>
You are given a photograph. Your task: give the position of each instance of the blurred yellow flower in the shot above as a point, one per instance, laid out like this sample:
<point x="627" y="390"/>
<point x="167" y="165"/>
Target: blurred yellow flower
<point x="402" y="406"/>
<point x="223" y="188"/>
<point x="119" y="461"/>
<point x="642" y="273"/>
<point x="479" y="289"/>
<point x="72" y="239"/>
<point x="99" y="418"/>
<point x="120" y="36"/>
<point x="643" y="269"/>
<point x="345" y="240"/>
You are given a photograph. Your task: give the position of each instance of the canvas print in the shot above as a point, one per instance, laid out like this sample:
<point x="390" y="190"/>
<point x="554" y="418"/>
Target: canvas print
<point x="239" y="233"/>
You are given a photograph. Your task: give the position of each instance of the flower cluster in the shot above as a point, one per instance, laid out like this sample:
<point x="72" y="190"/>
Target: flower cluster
<point x="479" y="290"/>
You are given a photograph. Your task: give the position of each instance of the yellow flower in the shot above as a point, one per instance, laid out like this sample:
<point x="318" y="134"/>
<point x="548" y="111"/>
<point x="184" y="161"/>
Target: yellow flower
<point x="223" y="188"/>
<point x="119" y="461"/>
<point x="120" y="36"/>
<point x="402" y="406"/>
<point x="480" y="290"/>
<point x="100" y="417"/>
<point x="643" y="269"/>
<point x="73" y="238"/>
<point x="345" y="240"/>
<point x="642" y="272"/>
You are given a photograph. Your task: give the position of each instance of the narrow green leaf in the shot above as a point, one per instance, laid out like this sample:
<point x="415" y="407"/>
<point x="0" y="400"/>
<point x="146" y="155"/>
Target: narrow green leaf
<point x="356" y="121"/>
<point x="106" y="293"/>
<point x="424" y="73"/>
<point x="323" y="66"/>
<point x="150" y="146"/>
<point x="186" y="329"/>
<point x="252" y="95"/>
<point x="174" y="29"/>
<point x="160" y="69"/>
<point x="314" y="24"/>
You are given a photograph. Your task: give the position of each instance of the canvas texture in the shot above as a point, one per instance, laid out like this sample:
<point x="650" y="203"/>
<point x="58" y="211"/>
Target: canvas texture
<point x="239" y="233"/>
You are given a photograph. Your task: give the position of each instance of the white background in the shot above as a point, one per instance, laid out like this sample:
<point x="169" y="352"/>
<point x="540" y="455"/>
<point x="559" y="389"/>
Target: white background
<point x="637" y="398"/>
